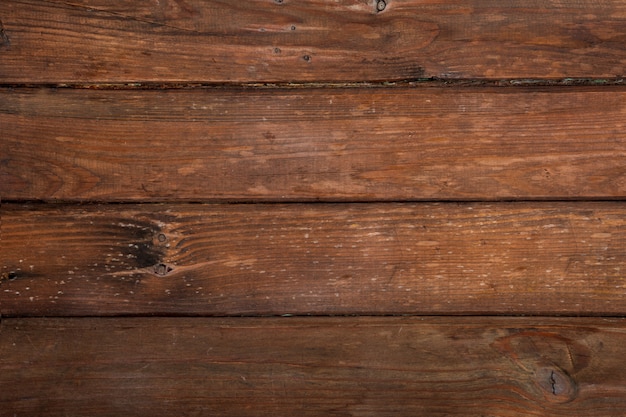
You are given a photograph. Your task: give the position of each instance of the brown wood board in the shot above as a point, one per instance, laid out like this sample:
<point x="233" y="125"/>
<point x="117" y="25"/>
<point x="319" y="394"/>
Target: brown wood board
<point x="256" y="259"/>
<point x="410" y="162"/>
<point x="56" y="41"/>
<point x="349" y="144"/>
<point x="309" y="366"/>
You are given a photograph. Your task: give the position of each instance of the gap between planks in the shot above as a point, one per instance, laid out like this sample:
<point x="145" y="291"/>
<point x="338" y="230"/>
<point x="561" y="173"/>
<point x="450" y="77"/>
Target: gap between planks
<point x="432" y="82"/>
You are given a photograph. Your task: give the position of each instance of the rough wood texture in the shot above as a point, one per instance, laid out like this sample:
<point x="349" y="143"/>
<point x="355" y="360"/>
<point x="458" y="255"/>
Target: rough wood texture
<point x="117" y="117"/>
<point x="528" y="258"/>
<point x="312" y="367"/>
<point x="55" y="41"/>
<point x="313" y="144"/>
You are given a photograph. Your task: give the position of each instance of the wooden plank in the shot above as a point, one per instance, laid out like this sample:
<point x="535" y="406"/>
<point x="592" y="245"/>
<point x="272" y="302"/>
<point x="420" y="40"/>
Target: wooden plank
<point x="313" y="144"/>
<point x="313" y="366"/>
<point x="255" y="259"/>
<point x="58" y="41"/>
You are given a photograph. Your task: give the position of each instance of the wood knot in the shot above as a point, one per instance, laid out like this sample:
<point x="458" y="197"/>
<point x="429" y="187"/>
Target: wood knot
<point x="162" y="269"/>
<point x="4" y="38"/>
<point x="551" y="360"/>
<point x="8" y="276"/>
<point x="556" y="385"/>
<point x="381" y="5"/>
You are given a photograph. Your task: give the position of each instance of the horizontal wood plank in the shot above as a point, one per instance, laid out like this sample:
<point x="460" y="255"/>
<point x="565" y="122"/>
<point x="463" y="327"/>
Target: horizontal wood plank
<point x="57" y="41"/>
<point x="255" y="259"/>
<point x="311" y="367"/>
<point x="313" y="144"/>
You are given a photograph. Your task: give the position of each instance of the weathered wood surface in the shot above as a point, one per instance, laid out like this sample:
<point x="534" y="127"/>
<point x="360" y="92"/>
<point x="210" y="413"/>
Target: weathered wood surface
<point x="255" y="259"/>
<point x="57" y="41"/>
<point x="313" y="144"/>
<point x="308" y="366"/>
<point x="179" y="101"/>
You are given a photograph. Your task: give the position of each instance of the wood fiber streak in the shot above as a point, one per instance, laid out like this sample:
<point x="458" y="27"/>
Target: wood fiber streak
<point x="506" y="258"/>
<point x="313" y="144"/>
<point x="332" y="366"/>
<point x="58" y="41"/>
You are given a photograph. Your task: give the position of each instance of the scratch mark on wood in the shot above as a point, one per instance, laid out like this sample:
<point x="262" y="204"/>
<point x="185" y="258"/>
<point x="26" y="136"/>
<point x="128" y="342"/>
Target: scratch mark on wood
<point x="127" y="17"/>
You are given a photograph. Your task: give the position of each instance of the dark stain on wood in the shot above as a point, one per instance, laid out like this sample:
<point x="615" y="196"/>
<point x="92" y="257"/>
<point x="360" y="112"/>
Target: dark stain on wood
<point x="4" y="38"/>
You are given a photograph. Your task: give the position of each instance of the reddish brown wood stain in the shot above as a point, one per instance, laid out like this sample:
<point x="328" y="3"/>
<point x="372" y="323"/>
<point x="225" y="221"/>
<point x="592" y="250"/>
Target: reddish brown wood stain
<point x="354" y="144"/>
<point x="343" y="366"/>
<point x="400" y="164"/>
<point x="312" y="40"/>
<point x="496" y="258"/>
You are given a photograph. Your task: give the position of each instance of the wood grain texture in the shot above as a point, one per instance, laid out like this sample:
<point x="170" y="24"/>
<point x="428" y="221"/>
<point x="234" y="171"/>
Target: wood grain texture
<point x="313" y="144"/>
<point x="332" y="366"/>
<point x="58" y="41"/>
<point x="254" y="259"/>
